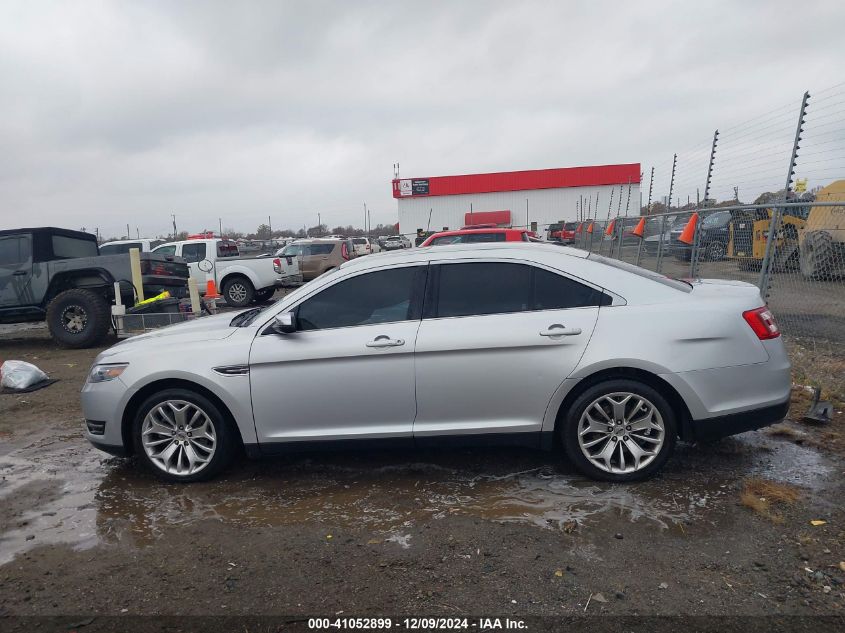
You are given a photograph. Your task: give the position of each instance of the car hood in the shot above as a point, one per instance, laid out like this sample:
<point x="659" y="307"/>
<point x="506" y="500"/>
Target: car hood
<point x="209" y="328"/>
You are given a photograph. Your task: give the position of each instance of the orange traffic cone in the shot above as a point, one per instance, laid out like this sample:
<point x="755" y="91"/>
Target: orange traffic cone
<point x="640" y="228"/>
<point x="590" y="228"/>
<point x="211" y="290"/>
<point x="610" y="227"/>
<point x="688" y="234"/>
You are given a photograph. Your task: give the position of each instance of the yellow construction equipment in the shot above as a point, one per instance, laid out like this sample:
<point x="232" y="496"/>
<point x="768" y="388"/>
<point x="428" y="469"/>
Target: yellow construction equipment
<point x="822" y="238"/>
<point x="749" y="232"/>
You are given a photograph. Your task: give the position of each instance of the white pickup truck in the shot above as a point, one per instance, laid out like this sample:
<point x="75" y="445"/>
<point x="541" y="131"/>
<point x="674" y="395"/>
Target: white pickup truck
<point x="241" y="280"/>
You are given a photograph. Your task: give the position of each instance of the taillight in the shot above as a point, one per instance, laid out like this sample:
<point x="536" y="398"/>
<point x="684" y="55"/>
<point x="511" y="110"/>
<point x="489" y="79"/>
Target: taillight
<point x="277" y="265"/>
<point x="762" y="322"/>
<point x="344" y="251"/>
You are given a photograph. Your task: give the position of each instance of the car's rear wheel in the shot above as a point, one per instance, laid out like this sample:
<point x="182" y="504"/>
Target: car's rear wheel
<point x="78" y="318"/>
<point x="182" y="436"/>
<point x="619" y="430"/>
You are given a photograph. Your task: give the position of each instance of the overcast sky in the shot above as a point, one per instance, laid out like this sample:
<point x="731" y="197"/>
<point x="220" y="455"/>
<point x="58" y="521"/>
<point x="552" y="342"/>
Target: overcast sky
<point x="125" y="112"/>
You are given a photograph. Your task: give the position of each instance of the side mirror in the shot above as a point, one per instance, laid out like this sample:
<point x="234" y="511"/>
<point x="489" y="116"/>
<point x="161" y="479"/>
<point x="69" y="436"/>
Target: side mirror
<point x="285" y="323"/>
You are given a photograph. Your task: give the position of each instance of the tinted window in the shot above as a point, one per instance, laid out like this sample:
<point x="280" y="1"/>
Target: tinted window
<point x="294" y="250"/>
<point x="379" y="297"/>
<point x="500" y="288"/>
<point x="14" y="250"/>
<point x="193" y="253"/>
<point x="118" y="249"/>
<point x="170" y="249"/>
<point x="227" y="249"/>
<point x="318" y="249"/>
<point x="70" y="247"/>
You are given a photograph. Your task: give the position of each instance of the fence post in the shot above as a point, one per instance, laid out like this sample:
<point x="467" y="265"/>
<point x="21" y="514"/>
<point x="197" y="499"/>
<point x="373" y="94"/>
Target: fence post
<point x="668" y="207"/>
<point x="696" y="242"/>
<point x="648" y="213"/>
<point x="777" y="212"/>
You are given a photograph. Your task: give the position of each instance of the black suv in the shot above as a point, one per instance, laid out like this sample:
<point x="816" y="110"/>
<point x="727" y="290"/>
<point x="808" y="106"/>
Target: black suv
<point x="714" y="234"/>
<point x="58" y="275"/>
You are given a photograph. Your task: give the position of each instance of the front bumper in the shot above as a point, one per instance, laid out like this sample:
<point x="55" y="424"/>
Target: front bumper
<point x="725" y="425"/>
<point x="102" y="405"/>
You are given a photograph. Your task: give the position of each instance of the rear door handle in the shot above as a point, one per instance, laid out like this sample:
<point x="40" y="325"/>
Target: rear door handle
<point x="19" y="273"/>
<point x="557" y="329"/>
<point x="385" y="341"/>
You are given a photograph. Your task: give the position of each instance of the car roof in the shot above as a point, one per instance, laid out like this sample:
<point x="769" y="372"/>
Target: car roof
<point x="517" y="250"/>
<point x="473" y="231"/>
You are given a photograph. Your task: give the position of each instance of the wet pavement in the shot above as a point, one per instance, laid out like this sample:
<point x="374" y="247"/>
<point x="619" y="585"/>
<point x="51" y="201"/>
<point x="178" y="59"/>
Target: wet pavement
<point x="81" y="497"/>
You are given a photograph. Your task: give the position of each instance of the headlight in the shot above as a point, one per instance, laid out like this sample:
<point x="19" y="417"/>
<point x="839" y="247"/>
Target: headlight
<point x="104" y="373"/>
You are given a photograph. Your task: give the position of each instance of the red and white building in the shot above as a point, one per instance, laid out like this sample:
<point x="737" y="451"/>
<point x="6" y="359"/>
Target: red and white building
<point x="533" y="198"/>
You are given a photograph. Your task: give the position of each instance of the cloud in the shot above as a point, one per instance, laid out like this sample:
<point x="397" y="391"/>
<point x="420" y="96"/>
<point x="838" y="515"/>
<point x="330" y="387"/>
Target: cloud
<point x="127" y="112"/>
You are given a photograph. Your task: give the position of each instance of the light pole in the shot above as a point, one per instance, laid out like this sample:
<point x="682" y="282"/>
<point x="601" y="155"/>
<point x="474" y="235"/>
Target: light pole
<point x="319" y="224"/>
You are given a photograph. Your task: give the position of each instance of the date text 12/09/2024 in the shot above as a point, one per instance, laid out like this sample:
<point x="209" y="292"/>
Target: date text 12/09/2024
<point x="417" y="624"/>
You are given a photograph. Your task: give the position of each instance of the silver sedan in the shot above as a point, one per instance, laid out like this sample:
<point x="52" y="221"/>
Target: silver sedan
<point x="515" y="343"/>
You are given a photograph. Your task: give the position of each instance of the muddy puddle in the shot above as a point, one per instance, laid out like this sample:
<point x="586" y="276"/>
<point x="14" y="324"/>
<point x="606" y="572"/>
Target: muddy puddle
<point x="60" y="490"/>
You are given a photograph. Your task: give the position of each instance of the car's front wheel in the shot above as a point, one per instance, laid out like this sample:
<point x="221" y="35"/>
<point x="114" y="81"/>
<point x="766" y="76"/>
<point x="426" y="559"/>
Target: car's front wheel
<point x="182" y="436"/>
<point x="619" y="430"/>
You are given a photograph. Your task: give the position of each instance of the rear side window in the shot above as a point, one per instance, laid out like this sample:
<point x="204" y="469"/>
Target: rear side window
<point x="70" y="247"/>
<point x="318" y="249"/>
<point x="15" y="250"/>
<point x="383" y="296"/>
<point x="499" y="288"/>
<point x="193" y="253"/>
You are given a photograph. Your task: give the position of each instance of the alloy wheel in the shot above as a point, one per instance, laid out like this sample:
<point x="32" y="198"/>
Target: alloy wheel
<point x="179" y="437"/>
<point x="621" y="432"/>
<point x="237" y="292"/>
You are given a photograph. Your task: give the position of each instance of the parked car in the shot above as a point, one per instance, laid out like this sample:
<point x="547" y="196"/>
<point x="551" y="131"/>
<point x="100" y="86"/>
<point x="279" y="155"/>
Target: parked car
<point x="515" y="343"/>
<point x="241" y="280"/>
<point x="318" y="256"/>
<point x="396" y="242"/>
<point x="119" y="247"/>
<point x="365" y="246"/>
<point x="714" y="235"/>
<point x="563" y="232"/>
<point x="58" y="276"/>
<point x="477" y="236"/>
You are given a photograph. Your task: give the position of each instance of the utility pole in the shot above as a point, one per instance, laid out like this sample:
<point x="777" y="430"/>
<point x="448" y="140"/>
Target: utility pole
<point x="137" y="233"/>
<point x="173" y="215"/>
<point x="369" y="223"/>
<point x="365" y="217"/>
<point x="270" y="224"/>
<point x="319" y="224"/>
<point x="128" y="234"/>
<point x="220" y="222"/>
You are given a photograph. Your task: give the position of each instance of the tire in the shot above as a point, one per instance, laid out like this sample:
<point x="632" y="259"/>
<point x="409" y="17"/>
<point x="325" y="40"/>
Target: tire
<point x="265" y="294"/>
<point x="576" y="422"/>
<point x="163" y="411"/>
<point x="78" y="318"/>
<point x="747" y="263"/>
<point x="715" y="251"/>
<point x="238" y="291"/>
<point x="816" y="255"/>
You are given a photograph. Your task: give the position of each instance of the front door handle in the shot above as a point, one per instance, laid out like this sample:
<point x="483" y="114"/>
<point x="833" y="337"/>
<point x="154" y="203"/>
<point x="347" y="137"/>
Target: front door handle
<point x="385" y="341"/>
<point x="557" y="329"/>
<point x="19" y="273"/>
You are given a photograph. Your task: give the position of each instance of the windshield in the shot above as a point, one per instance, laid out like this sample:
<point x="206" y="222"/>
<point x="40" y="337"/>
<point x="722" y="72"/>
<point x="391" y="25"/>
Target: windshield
<point x="717" y="219"/>
<point x="119" y="249"/>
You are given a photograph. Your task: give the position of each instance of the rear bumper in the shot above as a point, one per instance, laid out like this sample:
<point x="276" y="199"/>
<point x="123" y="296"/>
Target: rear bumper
<point x="290" y="280"/>
<point x="725" y="425"/>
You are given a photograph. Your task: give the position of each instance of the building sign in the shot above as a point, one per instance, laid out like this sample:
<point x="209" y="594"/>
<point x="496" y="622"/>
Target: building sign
<point x="413" y="187"/>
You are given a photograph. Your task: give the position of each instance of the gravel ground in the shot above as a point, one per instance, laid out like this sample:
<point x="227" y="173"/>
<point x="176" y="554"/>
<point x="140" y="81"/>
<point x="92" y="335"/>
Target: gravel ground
<point x="501" y="532"/>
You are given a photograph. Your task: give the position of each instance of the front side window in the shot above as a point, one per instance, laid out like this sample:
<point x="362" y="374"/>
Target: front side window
<point x="15" y="250"/>
<point x="193" y="253"/>
<point x="293" y="250"/>
<point x="500" y="288"/>
<point x="69" y="247"/>
<point x="383" y="296"/>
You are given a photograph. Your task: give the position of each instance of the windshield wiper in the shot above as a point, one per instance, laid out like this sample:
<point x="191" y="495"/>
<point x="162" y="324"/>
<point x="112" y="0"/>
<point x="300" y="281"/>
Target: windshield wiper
<point x="245" y="318"/>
